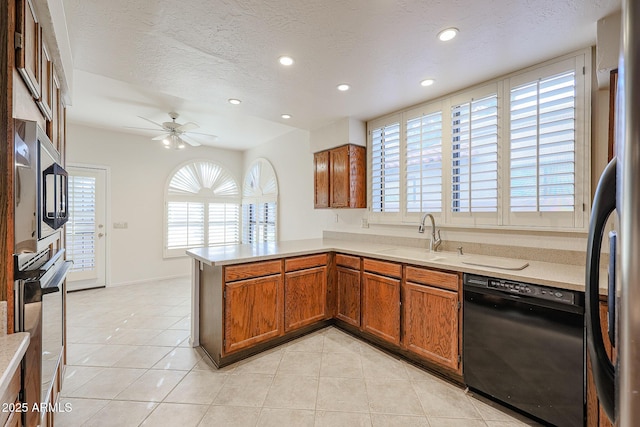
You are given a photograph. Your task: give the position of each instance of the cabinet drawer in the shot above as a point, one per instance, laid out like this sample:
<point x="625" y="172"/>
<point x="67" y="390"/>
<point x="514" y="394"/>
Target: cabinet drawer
<point x="301" y="263"/>
<point x="383" y="268"/>
<point x="254" y="269"/>
<point x="432" y="277"/>
<point x="348" y="261"/>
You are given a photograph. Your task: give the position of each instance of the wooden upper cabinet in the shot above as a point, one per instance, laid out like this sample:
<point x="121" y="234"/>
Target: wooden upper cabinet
<point x="340" y="177"/>
<point x="381" y="306"/>
<point x="321" y="179"/>
<point x="46" y="100"/>
<point x="28" y="45"/>
<point x="253" y="312"/>
<point x="53" y="126"/>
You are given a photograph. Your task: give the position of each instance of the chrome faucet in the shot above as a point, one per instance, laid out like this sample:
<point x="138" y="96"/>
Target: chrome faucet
<point x="435" y="243"/>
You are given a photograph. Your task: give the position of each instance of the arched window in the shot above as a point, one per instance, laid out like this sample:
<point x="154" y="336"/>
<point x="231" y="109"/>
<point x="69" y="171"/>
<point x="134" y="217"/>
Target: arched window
<point x="202" y="208"/>
<point x="259" y="203"/>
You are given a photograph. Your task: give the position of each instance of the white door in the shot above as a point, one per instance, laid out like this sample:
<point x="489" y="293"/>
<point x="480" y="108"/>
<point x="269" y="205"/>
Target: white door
<point x="86" y="231"/>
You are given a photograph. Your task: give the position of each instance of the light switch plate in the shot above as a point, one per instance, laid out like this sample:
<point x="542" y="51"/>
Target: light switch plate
<point x="121" y="225"/>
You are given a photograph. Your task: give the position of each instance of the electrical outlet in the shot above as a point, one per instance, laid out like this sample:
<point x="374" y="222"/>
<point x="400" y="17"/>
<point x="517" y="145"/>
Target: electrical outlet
<point x="336" y="218"/>
<point x="364" y="223"/>
<point x="120" y="225"/>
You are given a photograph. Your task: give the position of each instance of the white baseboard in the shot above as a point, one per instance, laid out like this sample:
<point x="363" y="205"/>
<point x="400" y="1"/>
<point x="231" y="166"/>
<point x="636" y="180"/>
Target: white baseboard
<point x="153" y="279"/>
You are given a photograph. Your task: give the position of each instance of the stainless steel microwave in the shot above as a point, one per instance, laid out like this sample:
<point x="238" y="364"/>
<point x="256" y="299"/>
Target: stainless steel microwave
<point x="41" y="186"/>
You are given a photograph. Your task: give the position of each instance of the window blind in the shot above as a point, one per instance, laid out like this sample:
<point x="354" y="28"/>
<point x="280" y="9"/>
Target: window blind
<point x="81" y="227"/>
<point x="185" y="224"/>
<point x="474" y="133"/>
<point x="259" y="222"/>
<point x="542" y="151"/>
<point x="423" y="163"/>
<point x="224" y="223"/>
<point x="385" y="168"/>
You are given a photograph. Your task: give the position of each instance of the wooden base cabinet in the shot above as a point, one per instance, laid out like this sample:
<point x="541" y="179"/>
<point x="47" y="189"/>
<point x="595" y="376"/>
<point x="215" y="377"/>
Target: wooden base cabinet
<point x="348" y="304"/>
<point x="305" y="294"/>
<point x="431" y="308"/>
<point x="381" y="300"/>
<point x="252" y="312"/>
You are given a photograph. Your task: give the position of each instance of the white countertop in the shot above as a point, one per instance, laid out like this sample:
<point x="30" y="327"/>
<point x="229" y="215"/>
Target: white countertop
<point x="12" y="348"/>
<point x="563" y="276"/>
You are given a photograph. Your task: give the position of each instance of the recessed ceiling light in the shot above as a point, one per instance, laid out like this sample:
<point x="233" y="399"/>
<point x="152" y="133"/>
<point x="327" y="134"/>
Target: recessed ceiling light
<point x="234" y="101"/>
<point x="447" y="34"/>
<point x="427" y="82"/>
<point x="286" y="60"/>
<point x="286" y="116"/>
<point x="343" y="87"/>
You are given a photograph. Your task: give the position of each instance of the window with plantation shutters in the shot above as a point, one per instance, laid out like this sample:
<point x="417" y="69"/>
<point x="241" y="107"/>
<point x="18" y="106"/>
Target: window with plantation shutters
<point x="202" y="209"/>
<point x="80" y="229"/>
<point x="423" y="163"/>
<point x="385" y="168"/>
<point x="542" y="144"/>
<point x="474" y="136"/>
<point x="259" y="203"/>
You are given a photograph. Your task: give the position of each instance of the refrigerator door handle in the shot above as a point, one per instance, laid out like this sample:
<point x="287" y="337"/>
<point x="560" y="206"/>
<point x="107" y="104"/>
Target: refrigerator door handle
<point x="604" y="203"/>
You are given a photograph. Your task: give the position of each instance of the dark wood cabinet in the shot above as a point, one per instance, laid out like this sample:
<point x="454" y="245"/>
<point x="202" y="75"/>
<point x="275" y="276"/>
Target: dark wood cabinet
<point x="45" y="101"/>
<point x="252" y="311"/>
<point x="340" y="177"/>
<point x="431" y="316"/>
<point x="28" y="46"/>
<point x="305" y="297"/>
<point x="381" y="300"/>
<point x="348" y="295"/>
<point x="321" y="179"/>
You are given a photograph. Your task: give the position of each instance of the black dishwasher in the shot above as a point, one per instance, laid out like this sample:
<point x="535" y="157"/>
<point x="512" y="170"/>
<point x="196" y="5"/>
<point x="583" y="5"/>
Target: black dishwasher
<point x="523" y="345"/>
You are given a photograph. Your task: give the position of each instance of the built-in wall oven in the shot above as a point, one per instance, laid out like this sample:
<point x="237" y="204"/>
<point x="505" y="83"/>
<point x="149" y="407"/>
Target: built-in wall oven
<point x="40" y="200"/>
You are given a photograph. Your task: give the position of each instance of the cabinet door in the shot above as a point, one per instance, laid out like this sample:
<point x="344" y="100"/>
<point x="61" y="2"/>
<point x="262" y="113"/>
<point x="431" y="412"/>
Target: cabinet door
<point x="339" y="166"/>
<point x="45" y="102"/>
<point x="381" y="306"/>
<point x="53" y="126"/>
<point x="252" y="312"/>
<point x="431" y="324"/>
<point x="305" y="297"/>
<point x="321" y="179"/>
<point x="28" y="51"/>
<point x="348" y="295"/>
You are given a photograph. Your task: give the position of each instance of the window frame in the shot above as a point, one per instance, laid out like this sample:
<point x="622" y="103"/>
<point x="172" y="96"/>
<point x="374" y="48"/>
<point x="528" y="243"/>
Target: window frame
<point x="205" y="199"/>
<point x="263" y="170"/>
<point x="577" y="221"/>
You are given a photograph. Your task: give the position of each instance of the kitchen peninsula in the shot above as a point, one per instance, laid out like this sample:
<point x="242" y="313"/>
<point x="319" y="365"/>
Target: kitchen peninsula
<point x="247" y="298"/>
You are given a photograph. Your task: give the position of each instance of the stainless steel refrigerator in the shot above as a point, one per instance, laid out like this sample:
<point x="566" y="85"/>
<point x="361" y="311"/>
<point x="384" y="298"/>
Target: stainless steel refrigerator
<point x="618" y="192"/>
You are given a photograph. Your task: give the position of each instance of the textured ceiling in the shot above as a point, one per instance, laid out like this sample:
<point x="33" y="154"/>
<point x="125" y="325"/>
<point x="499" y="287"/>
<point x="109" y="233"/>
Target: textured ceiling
<point x="147" y="57"/>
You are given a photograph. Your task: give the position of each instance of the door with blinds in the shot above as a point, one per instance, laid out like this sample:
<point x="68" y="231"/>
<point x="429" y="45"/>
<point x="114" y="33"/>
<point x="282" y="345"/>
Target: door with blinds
<point x="85" y="231"/>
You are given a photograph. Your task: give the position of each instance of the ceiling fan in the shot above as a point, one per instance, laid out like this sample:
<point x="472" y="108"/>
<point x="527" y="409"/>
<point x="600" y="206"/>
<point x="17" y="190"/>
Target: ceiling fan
<point x="175" y="134"/>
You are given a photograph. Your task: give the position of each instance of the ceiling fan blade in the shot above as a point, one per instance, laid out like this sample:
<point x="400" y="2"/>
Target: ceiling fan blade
<point x="159" y="137"/>
<point x="151" y="121"/>
<point x="204" y="134"/>
<point x="189" y="141"/>
<point x="187" y="127"/>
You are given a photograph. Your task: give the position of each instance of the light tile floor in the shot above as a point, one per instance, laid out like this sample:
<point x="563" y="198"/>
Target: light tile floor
<point x="130" y="364"/>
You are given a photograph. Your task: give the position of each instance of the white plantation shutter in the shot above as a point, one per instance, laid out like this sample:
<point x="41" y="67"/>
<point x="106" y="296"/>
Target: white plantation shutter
<point x="203" y="208"/>
<point x="543" y="128"/>
<point x="224" y="223"/>
<point x="185" y="224"/>
<point x="423" y="163"/>
<point x="474" y="131"/>
<point x="259" y="222"/>
<point x="80" y="229"/>
<point x="385" y="168"/>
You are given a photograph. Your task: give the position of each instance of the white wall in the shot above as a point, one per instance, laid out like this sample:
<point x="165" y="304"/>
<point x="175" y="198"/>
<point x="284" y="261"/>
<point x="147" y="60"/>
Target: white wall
<point x="139" y="172"/>
<point x="292" y="160"/>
